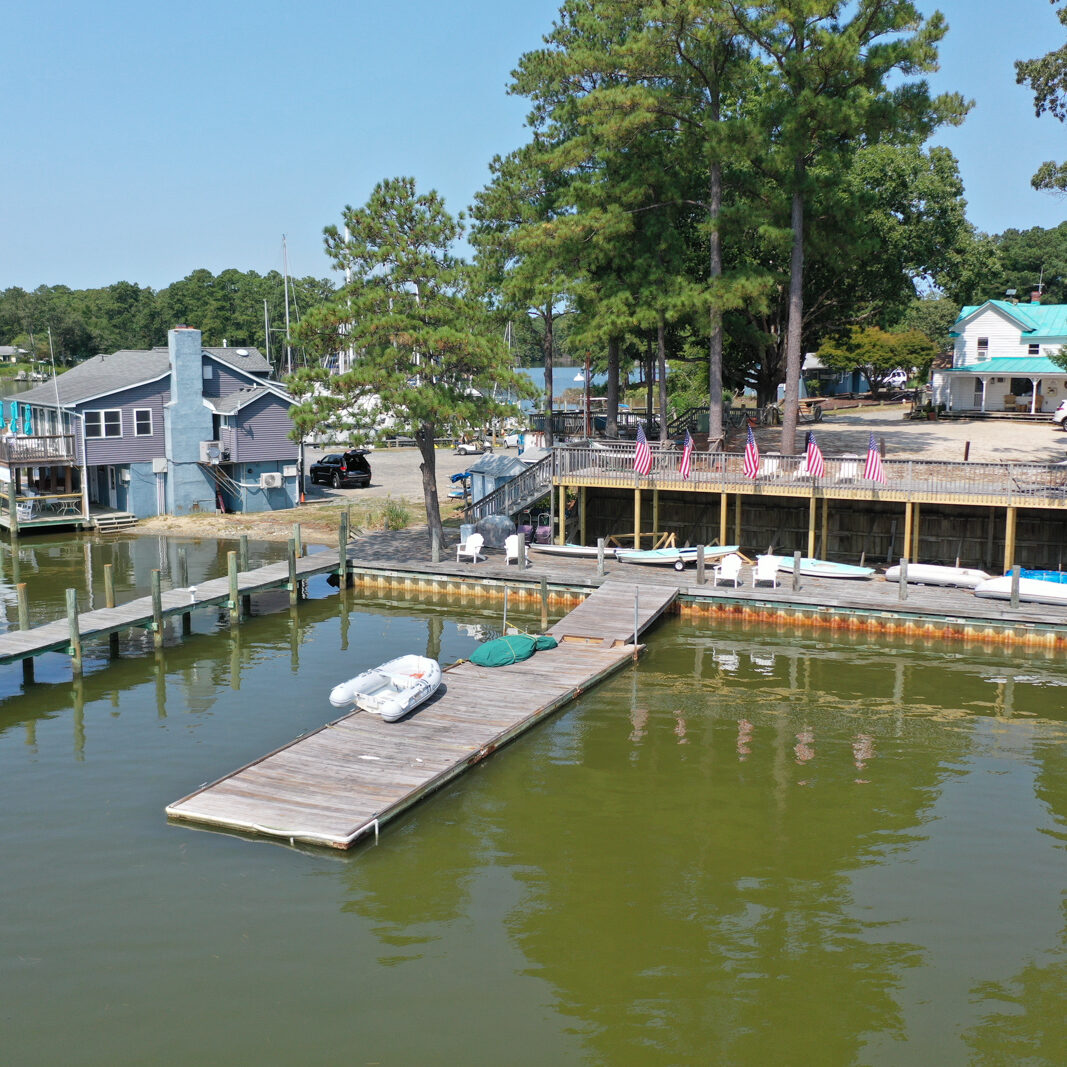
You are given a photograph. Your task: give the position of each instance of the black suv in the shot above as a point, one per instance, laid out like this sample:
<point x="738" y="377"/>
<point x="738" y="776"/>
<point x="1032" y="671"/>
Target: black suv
<point x="348" y="468"/>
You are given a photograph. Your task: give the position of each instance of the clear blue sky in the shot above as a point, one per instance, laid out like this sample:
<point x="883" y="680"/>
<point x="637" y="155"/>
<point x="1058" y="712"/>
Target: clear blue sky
<point x="142" y="141"/>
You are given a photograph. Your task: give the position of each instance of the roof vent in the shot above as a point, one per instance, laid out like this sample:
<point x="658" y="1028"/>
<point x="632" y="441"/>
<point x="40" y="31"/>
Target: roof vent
<point x="242" y="351"/>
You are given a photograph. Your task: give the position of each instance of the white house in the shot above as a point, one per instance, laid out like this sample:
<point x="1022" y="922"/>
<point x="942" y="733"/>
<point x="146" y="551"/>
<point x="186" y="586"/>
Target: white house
<point x="1000" y="360"/>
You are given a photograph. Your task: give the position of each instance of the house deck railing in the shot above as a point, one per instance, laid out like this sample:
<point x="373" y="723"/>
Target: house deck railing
<point x="33" y="449"/>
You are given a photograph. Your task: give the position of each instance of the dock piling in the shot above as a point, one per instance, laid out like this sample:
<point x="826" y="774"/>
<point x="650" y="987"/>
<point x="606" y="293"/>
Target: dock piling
<point x="183" y="583"/>
<point x="75" y="635"/>
<point x="157" y="609"/>
<point x="235" y="600"/>
<point x="342" y="551"/>
<point x="24" y="624"/>
<point x="544" y="603"/>
<point x="1015" y="575"/>
<point x="242" y="566"/>
<point x="600" y="557"/>
<point x="796" y="571"/>
<point x="298" y="538"/>
<point x="902" y="583"/>
<point x="294" y="587"/>
<point x="701" y="577"/>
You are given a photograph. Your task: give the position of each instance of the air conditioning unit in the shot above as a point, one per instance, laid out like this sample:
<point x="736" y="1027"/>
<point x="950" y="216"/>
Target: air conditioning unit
<point x="210" y="452"/>
<point x="271" y="480"/>
<point x="124" y="476"/>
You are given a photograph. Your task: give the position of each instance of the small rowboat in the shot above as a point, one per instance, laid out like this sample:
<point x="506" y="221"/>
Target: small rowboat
<point x="932" y="574"/>
<point x="673" y="557"/>
<point x="1032" y="590"/>
<point x="822" y="568"/>
<point x="391" y="690"/>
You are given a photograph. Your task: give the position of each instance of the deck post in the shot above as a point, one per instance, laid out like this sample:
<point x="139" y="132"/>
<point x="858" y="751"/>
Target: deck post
<point x="723" y="501"/>
<point x="235" y="599"/>
<point x="915" y="527"/>
<point x="298" y="538"/>
<point x="157" y="609"/>
<point x="183" y="583"/>
<point x="796" y="570"/>
<point x="12" y="509"/>
<point x="908" y="516"/>
<point x="581" y="514"/>
<point x="562" y="515"/>
<point x="342" y="551"/>
<point x="242" y="565"/>
<point x="737" y="518"/>
<point x="24" y="624"/>
<point x="600" y="557"/>
<point x="902" y="581"/>
<point x="813" y="505"/>
<point x="824" y="551"/>
<point x="75" y="636"/>
<point x="1009" y="537"/>
<point x="637" y="517"/>
<point x="700" y="565"/>
<point x="544" y="602"/>
<point x="293" y="586"/>
<point x="655" y="515"/>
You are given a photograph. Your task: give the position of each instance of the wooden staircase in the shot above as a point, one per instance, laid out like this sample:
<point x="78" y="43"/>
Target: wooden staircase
<point x="114" y="521"/>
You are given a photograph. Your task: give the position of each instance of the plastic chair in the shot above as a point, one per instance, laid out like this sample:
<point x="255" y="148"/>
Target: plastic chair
<point x="768" y="467"/>
<point x="729" y="570"/>
<point x="766" y="571"/>
<point x="848" y="470"/>
<point x="513" y="548"/>
<point x="472" y="547"/>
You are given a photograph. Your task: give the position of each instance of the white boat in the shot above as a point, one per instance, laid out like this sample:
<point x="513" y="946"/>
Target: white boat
<point x="575" y="551"/>
<point x="1032" y="590"/>
<point x="673" y="557"/>
<point x="933" y="574"/>
<point x="822" y="568"/>
<point x="391" y="690"/>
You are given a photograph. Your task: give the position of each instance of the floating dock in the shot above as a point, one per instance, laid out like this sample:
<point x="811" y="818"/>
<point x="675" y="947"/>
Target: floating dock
<point x="341" y="782"/>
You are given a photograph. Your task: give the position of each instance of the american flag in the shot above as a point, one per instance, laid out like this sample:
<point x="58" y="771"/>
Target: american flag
<point x="816" y="464"/>
<point x="873" y="467"/>
<point x="643" y="454"/>
<point x="751" y="464"/>
<point x="686" y="464"/>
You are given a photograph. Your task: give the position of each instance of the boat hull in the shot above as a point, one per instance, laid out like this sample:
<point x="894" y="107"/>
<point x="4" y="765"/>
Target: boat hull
<point x="932" y="574"/>
<point x="391" y="690"/>
<point x="823" y="568"/>
<point x="672" y="557"/>
<point x="574" y="551"/>
<point x="1031" y="590"/>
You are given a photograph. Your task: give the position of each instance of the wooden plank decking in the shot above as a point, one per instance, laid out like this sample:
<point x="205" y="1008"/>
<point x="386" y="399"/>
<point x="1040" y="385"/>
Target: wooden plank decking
<point x="345" y="779"/>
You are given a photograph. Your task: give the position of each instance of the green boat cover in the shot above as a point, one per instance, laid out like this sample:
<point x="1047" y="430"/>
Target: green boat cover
<point x="504" y="650"/>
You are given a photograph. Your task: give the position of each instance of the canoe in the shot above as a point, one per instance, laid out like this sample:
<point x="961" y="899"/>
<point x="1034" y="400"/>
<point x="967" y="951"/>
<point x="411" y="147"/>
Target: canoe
<point x="1045" y="576"/>
<point x="1031" y="590"/>
<point x="391" y="690"/>
<point x="932" y="574"/>
<point x="673" y="557"/>
<point x="576" y="551"/>
<point x="822" y="568"/>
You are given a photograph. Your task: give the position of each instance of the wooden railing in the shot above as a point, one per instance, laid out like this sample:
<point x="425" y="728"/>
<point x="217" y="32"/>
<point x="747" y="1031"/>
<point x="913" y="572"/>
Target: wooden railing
<point x="519" y="493"/>
<point x="38" y="449"/>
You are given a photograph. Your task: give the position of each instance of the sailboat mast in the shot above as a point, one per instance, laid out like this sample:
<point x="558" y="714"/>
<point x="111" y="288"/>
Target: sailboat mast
<point x="285" y="268"/>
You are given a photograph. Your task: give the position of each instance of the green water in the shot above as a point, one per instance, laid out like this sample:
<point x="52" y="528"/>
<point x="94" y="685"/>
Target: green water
<point x="754" y="848"/>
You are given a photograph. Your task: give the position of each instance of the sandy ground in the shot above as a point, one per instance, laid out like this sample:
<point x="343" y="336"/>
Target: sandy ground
<point x="396" y="476"/>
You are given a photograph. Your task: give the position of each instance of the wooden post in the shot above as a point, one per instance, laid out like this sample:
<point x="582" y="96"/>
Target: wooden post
<point x="655" y="515"/>
<point x="796" y="571"/>
<point x="294" y="589"/>
<point x="902" y="581"/>
<point x="1009" y="537"/>
<point x="298" y="538"/>
<point x="157" y="609"/>
<point x="813" y="505"/>
<point x="823" y="546"/>
<point x="600" y="557"/>
<point x="1016" y="572"/>
<point x="581" y="514"/>
<point x="183" y="583"/>
<point x="242" y="565"/>
<point x="915" y="527"/>
<point x="342" y="551"/>
<point x="235" y="599"/>
<point x="637" y="518"/>
<point x="723" y="508"/>
<point x="12" y="509"/>
<point x="562" y="515"/>
<point x="907" y="527"/>
<point x="109" y="601"/>
<point x="522" y="553"/>
<point x="700" y="565"/>
<point x="24" y="624"/>
<point x="75" y="636"/>
<point x="544" y="604"/>
<point x="737" y="518"/>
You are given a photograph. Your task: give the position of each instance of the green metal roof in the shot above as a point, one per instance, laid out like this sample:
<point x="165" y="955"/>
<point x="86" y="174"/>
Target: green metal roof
<point x="1012" y="366"/>
<point x="1037" y="322"/>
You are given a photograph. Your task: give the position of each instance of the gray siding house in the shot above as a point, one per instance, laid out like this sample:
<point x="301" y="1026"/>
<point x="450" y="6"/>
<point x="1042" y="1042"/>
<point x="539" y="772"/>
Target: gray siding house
<point x="170" y="430"/>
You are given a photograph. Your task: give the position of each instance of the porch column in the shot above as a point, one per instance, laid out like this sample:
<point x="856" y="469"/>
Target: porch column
<point x="825" y="527"/>
<point x="1033" y="394"/>
<point x="581" y="514"/>
<point x="913" y="553"/>
<point x="562" y="515"/>
<point x="737" y="518"/>
<point x="655" y="515"/>
<point x="907" y="529"/>
<point x="985" y="383"/>
<point x="637" y="518"/>
<point x="813" y="505"/>
<point x="723" y="498"/>
<point x="1009" y="538"/>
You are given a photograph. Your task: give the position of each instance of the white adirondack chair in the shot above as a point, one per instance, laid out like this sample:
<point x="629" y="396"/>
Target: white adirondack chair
<point x="513" y="549"/>
<point x="766" y="571"/>
<point x="471" y="548"/>
<point x="729" y="570"/>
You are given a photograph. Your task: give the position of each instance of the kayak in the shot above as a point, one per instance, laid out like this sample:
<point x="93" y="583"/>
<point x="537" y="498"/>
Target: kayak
<point x="822" y="568"/>
<point x="392" y="689"/>
<point x="1032" y="590"/>
<point x="673" y="557"/>
<point x="576" y="551"/>
<point x="932" y="574"/>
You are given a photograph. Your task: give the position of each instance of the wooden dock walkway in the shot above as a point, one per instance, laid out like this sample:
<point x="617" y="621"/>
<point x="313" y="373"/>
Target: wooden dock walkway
<point x="344" y="780"/>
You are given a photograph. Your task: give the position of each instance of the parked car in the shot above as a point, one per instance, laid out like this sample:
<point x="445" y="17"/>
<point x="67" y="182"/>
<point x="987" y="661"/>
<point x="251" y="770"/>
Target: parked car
<point x="1059" y="416"/>
<point x="897" y="379"/>
<point x="342" y="468"/>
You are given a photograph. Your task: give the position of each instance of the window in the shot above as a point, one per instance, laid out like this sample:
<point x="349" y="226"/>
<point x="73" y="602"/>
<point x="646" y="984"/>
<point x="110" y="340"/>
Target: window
<point x="142" y="422"/>
<point x="1033" y="350"/>
<point x="106" y="423"/>
<point x="983" y="345"/>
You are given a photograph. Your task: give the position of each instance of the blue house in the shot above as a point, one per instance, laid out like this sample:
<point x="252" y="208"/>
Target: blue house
<point x="172" y="430"/>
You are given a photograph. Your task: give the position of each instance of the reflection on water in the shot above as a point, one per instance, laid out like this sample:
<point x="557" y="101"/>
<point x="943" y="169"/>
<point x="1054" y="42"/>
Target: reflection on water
<point x="754" y="847"/>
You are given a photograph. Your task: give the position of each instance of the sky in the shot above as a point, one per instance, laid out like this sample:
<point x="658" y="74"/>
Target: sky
<point x="144" y="141"/>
